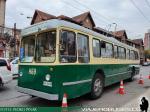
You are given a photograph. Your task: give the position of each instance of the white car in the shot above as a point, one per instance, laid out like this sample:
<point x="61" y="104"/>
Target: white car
<point x="5" y="71"/>
<point x="14" y="66"/>
<point x="146" y="63"/>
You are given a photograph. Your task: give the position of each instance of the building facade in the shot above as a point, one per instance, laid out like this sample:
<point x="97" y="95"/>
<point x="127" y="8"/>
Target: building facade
<point x="139" y="44"/>
<point x="2" y="24"/>
<point x="147" y="41"/>
<point x="2" y="12"/>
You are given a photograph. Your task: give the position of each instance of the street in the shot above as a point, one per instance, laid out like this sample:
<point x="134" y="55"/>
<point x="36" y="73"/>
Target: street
<point x="10" y="97"/>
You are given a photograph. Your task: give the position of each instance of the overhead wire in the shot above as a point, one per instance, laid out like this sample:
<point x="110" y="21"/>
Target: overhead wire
<point x="140" y="11"/>
<point x="104" y="20"/>
<point x="148" y="3"/>
<point x="108" y="21"/>
<point x="100" y="15"/>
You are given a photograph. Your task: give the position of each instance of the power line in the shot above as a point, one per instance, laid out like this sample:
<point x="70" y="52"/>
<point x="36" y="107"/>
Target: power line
<point x="148" y="3"/>
<point x="69" y="4"/>
<point x="105" y="19"/>
<point x="140" y="11"/>
<point x="100" y="15"/>
<point x="93" y="10"/>
<point x="110" y="21"/>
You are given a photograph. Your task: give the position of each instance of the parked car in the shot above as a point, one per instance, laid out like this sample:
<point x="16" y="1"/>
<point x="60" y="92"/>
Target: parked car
<point x="146" y="63"/>
<point x="5" y="71"/>
<point x="14" y="67"/>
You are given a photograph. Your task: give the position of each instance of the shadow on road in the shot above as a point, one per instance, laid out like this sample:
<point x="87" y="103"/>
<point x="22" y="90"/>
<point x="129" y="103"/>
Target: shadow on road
<point x="80" y="101"/>
<point x="4" y="89"/>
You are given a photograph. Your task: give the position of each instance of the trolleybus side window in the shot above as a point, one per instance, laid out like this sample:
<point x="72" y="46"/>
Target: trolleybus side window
<point x="132" y="55"/>
<point x="46" y="47"/>
<point x="122" y="52"/>
<point x="136" y="55"/>
<point x="83" y="48"/>
<point x="128" y="54"/>
<point x="68" y="47"/>
<point x="96" y="48"/>
<point x="115" y="51"/>
<point x="106" y="49"/>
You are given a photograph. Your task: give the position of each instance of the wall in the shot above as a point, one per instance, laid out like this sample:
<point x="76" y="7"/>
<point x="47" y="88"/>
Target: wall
<point x="2" y="12"/>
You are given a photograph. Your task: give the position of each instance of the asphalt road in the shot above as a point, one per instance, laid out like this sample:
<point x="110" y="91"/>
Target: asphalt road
<point x="10" y="97"/>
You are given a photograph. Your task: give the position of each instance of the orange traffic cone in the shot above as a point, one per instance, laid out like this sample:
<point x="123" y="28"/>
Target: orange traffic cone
<point x="141" y="81"/>
<point x="121" y="89"/>
<point x="64" y="101"/>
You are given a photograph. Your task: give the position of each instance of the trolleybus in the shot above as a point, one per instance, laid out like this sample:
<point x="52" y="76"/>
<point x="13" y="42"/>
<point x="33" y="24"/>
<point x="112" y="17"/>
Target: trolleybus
<point x="58" y="57"/>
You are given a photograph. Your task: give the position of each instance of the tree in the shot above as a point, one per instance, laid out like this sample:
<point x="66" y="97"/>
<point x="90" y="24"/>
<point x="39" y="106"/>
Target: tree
<point x="7" y="36"/>
<point x="10" y="41"/>
<point x="147" y="54"/>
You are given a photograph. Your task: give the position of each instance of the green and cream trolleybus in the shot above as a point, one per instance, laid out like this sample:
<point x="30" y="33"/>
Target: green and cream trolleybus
<point x="58" y="57"/>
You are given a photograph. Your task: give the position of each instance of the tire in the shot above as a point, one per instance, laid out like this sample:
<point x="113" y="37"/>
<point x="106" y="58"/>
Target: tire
<point x="1" y="83"/>
<point x="97" y="86"/>
<point x="132" y="75"/>
<point x="32" y="96"/>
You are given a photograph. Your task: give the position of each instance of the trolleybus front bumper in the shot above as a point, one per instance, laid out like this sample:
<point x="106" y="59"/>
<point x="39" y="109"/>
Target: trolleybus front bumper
<point x="37" y="93"/>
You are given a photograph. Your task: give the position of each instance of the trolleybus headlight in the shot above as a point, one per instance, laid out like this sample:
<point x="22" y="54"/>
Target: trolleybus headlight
<point x="47" y="77"/>
<point x="21" y="74"/>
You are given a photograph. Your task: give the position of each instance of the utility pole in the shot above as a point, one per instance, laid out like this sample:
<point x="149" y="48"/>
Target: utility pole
<point x="15" y="39"/>
<point x="109" y="26"/>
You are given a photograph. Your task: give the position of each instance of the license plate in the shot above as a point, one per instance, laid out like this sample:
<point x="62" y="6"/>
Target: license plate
<point x="45" y="83"/>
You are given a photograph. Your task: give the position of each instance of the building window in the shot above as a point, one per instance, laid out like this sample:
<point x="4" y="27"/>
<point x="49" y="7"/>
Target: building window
<point x="83" y="49"/>
<point x="122" y="52"/>
<point x="106" y="50"/>
<point x="67" y="47"/>
<point x="96" y="48"/>
<point x="115" y="51"/>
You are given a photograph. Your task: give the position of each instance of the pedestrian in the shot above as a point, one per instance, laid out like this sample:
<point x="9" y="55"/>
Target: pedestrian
<point x="144" y="106"/>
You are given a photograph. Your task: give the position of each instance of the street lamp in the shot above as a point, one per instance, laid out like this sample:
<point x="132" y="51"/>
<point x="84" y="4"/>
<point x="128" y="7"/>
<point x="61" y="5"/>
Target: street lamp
<point x="28" y="17"/>
<point x="115" y="26"/>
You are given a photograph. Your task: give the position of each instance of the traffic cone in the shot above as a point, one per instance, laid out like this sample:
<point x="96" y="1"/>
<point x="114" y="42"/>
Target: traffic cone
<point x="141" y="81"/>
<point x="121" y="89"/>
<point x="64" y="101"/>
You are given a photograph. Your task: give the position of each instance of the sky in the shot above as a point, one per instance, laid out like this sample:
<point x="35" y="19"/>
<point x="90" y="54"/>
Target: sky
<point x="124" y="13"/>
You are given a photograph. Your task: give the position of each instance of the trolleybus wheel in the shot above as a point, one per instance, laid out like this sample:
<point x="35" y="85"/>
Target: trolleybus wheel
<point x="97" y="86"/>
<point x="1" y="83"/>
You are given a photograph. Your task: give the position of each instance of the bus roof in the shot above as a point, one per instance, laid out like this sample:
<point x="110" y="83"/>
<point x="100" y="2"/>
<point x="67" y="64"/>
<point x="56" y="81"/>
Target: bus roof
<point x="55" y="23"/>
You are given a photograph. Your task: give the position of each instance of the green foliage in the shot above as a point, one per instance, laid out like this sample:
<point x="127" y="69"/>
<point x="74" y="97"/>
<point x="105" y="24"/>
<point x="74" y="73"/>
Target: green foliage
<point x="10" y="41"/>
<point x="7" y="36"/>
<point x="147" y="53"/>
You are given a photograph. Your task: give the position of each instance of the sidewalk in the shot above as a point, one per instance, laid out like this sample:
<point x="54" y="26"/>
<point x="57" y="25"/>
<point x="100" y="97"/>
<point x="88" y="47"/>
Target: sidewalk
<point x="135" y="103"/>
